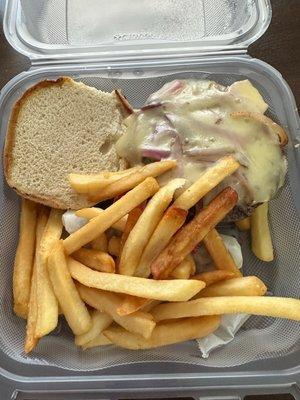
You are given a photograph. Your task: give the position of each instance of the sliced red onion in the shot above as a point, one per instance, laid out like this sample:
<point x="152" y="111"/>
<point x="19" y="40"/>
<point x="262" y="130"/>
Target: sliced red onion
<point x="150" y="106"/>
<point x="155" y="153"/>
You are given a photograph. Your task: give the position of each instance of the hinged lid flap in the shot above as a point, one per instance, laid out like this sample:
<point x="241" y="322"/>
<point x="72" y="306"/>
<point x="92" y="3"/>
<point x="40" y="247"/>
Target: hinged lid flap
<point x="132" y="29"/>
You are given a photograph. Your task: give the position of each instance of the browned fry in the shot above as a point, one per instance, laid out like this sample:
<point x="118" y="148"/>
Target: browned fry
<point x="172" y="220"/>
<point x="110" y="215"/>
<point x="95" y="259"/>
<point x="211" y="277"/>
<point x="219" y="253"/>
<point x="100" y="243"/>
<point x="132" y="218"/>
<point x="93" y="212"/>
<point x="31" y="340"/>
<point x="24" y="258"/>
<point x="128" y="182"/>
<point x="114" y="246"/>
<point x="131" y="304"/>
<point x="126" y="106"/>
<point x="243" y="224"/>
<point x="190" y="235"/>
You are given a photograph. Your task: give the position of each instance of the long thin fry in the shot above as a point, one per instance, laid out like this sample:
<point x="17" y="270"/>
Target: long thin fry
<point x="261" y="241"/>
<point x="145" y="226"/>
<point x="185" y="269"/>
<point x="164" y="334"/>
<point x="211" y="277"/>
<point x="190" y="235"/>
<point x="220" y="255"/>
<point x="280" y="307"/>
<point x="24" y="258"/>
<point x="47" y="306"/>
<point x="65" y="290"/>
<point x="170" y="223"/>
<point x="83" y="183"/>
<point x="95" y="259"/>
<point x="130" y="304"/>
<point x="112" y="214"/>
<point x="245" y="286"/>
<point x="138" y="322"/>
<point x="31" y="340"/>
<point x="207" y="181"/>
<point x="100" y="321"/>
<point x="128" y="182"/>
<point x="93" y="212"/>
<point x="172" y="290"/>
<point x="132" y="218"/>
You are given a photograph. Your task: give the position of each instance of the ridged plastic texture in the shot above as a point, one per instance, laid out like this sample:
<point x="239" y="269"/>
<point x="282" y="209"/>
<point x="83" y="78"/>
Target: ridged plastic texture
<point x="260" y="338"/>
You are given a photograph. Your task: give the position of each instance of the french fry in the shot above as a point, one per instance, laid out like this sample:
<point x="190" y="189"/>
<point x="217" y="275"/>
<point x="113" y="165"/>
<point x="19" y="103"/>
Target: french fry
<point x="245" y="286"/>
<point x="172" y="290"/>
<point x="65" y="290"/>
<point x="83" y="183"/>
<point x="281" y="307"/>
<point x="218" y="252"/>
<point x="95" y="259"/>
<point x="172" y="220"/>
<point x="130" y="181"/>
<point x="100" y="340"/>
<point x="164" y="334"/>
<point x="100" y="243"/>
<point x="24" y="258"/>
<point x="207" y="181"/>
<point x="114" y="246"/>
<point x="185" y="269"/>
<point x="110" y="215"/>
<point x="47" y="306"/>
<point x="191" y="234"/>
<point x="31" y="340"/>
<point x="93" y="212"/>
<point x="132" y="218"/>
<point x="139" y="322"/>
<point x="211" y="277"/>
<point x="145" y="226"/>
<point x="261" y="241"/>
<point x="100" y="321"/>
<point x="243" y="224"/>
<point x="130" y="304"/>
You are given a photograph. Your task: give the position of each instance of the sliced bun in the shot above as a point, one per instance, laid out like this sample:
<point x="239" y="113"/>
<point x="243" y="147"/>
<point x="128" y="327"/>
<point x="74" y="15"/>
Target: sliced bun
<point x="59" y="127"/>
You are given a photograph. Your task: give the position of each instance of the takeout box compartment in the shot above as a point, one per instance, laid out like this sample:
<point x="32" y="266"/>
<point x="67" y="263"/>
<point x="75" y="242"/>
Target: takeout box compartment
<point x="52" y="34"/>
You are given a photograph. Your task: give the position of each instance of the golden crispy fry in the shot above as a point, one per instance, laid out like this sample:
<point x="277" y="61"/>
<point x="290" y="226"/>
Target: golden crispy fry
<point x="172" y="220"/>
<point x="172" y="290"/>
<point x="139" y="322"/>
<point x="93" y="212"/>
<point x="185" y="269"/>
<point x="47" y="306"/>
<point x="100" y="321"/>
<point x="245" y="286"/>
<point x="128" y="182"/>
<point x="243" y="224"/>
<point x="95" y="259"/>
<point x="131" y="304"/>
<point x="280" y="307"/>
<point x="31" y="340"/>
<point x="110" y="215"/>
<point x="207" y="181"/>
<point x="132" y="218"/>
<point x="84" y="183"/>
<point x="145" y="226"/>
<point x="164" y="334"/>
<point x="100" y="340"/>
<point x="190" y="235"/>
<point x="65" y="290"/>
<point x="220" y="255"/>
<point x="263" y="119"/>
<point x="261" y="241"/>
<point x="24" y="258"/>
<point x="211" y="277"/>
<point x="114" y="246"/>
<point x="100" y="243"/>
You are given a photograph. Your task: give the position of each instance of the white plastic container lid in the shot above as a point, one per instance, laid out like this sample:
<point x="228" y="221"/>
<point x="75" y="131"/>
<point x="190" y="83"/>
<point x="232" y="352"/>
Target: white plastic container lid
<point x="133" y="29"/>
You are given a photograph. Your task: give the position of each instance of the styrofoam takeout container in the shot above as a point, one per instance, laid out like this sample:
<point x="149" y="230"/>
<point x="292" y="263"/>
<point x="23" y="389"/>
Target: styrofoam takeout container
<point x="138" y="46"/>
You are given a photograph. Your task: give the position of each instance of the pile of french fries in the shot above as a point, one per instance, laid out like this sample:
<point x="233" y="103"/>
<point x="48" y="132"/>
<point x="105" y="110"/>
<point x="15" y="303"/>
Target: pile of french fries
<point x="128" y="277"/>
